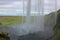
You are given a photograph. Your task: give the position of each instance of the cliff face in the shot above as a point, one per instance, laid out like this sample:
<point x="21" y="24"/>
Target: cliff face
<point x="50" y="20"/>
<point x="58" y="17"/>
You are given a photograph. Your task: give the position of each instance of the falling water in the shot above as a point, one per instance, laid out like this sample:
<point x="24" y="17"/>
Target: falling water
<point x="16" y="29"/>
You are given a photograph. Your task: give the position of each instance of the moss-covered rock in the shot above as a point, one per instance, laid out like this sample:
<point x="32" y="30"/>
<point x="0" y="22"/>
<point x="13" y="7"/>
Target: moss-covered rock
<point x="4" y="36"/>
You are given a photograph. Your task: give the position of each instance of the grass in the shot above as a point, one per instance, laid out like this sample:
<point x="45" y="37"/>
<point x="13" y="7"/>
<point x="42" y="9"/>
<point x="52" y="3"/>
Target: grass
<point x="8" y="20"/>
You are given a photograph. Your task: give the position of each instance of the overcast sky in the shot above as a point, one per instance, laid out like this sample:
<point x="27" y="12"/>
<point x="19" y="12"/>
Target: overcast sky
<point x="15" y="7"/>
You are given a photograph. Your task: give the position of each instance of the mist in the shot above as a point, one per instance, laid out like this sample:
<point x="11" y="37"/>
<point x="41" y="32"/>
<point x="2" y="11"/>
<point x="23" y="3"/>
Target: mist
<point x="41" y="26"/>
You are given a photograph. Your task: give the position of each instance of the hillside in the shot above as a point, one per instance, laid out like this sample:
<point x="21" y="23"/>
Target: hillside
<point x="57" y="27"/>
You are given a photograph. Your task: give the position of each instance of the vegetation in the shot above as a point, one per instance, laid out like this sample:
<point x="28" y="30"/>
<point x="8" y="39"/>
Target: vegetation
<point x="8" y="20"/>
<point x="57" y="33"/>
<point x="4" y="36"/>
<point x="57" y="28"/>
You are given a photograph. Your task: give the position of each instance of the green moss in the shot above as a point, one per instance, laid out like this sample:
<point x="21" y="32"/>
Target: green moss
<point x="4" y="36"/>
<point x="57" y="35"/>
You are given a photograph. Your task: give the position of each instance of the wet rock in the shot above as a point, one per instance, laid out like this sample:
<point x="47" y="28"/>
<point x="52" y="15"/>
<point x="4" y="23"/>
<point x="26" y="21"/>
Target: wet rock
<point x="32" y="36"/>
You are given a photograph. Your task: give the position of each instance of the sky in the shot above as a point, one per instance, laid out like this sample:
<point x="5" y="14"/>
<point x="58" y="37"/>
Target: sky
<point x="15" y="7"/>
